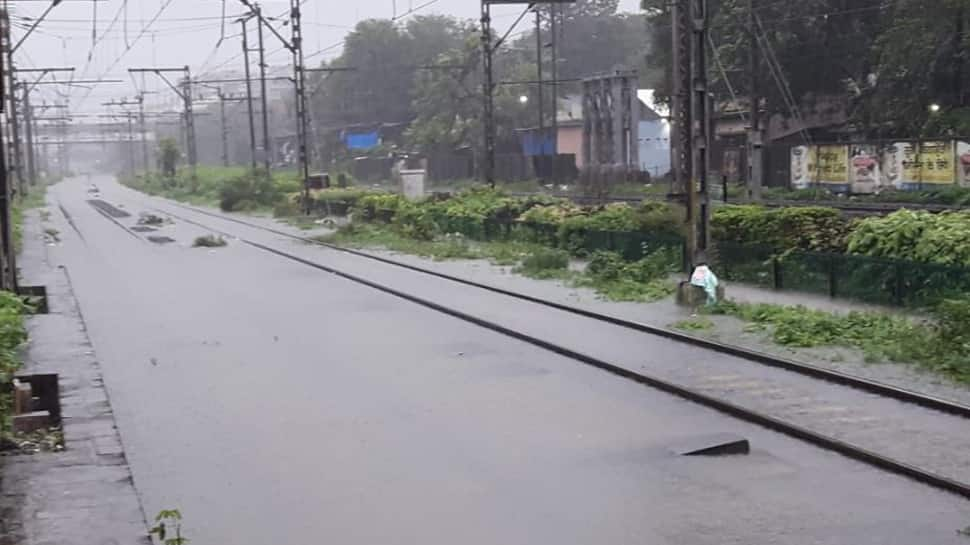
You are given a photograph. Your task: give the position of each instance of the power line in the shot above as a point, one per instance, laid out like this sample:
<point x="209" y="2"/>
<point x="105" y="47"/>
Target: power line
<point x="144" y="29"/>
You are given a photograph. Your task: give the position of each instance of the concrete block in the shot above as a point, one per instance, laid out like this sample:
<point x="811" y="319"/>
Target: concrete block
<point x="23" y="397"/>
<point x="718" y="444"/>
<point x="689" y="295"/>
<point x="31" y="422"/>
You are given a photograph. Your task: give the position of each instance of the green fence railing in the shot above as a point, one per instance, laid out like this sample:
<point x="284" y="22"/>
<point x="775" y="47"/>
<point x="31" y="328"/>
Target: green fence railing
<point x="862" y="278"/>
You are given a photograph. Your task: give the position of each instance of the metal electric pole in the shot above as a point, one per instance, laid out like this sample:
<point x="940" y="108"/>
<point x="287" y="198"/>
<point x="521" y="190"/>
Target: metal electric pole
<point x="488" y="121"/>
<point x="755" y="136"/>
<point x="295" y="45"/>
<point x="144" y="133"/>
<point x="691" y="121"/>
<point x="542" y="89"/>
<point x="225" y="131"/>
<point x="190" y="123"/>
<point x="249" y="91"/>
<point x="554" y="72"/>
<point x="16" y="146"/>
<point x="223" y="98"/>
<point x="299" y="76"/>
<point x="264" y="102"/>
<point x="701" y="113"/>
<point x="140" y="102"/>
<point x="184" y="91"/>
<point x="29" y="130"/>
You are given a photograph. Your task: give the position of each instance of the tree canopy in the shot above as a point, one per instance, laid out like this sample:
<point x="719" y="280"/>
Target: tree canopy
<point x="427" y="71"/>
<point x="890" y="60"/>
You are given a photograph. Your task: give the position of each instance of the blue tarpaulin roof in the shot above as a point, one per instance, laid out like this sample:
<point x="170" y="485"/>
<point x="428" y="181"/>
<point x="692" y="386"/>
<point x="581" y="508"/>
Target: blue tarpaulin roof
<point x="534" y="143"/>
<point x="362" y="140"/>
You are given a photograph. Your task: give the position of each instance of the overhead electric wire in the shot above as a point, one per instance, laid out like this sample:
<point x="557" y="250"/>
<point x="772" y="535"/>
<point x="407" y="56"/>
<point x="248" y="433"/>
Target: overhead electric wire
<point x="144" y="29"/>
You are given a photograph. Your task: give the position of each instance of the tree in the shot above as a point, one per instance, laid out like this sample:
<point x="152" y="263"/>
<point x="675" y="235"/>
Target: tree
<point x="383" y="58"/>
<point x="920" y="59"/>
<point x="168" y="154"/>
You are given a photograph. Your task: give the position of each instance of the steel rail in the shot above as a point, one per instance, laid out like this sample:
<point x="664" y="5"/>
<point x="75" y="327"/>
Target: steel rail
<point x="845" y="379"/>
<point x="742" y="413"/>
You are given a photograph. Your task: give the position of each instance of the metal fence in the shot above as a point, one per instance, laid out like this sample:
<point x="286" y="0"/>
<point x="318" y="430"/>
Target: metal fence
<point x="861" y="278"/>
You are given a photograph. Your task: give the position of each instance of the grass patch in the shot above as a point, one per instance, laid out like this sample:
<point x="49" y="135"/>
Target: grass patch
<point x="209" y="241"/>
<point x="230" y="188"/>
<point x="940" y="345"/>
<point x="696" y="324"/>
<point x="608" y="274"/>
<point x="545" y="263"/>
<point x="644" y="280"/>
<point x="35" y="197"/>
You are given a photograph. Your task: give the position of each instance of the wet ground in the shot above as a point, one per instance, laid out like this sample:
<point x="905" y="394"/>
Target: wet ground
<point x="275" y="403"/>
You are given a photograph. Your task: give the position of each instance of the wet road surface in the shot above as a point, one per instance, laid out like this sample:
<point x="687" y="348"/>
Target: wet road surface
<point x="274" y="403"/>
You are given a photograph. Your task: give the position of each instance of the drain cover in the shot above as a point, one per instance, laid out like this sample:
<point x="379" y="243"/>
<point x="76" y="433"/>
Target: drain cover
<point x="160" y="240"/>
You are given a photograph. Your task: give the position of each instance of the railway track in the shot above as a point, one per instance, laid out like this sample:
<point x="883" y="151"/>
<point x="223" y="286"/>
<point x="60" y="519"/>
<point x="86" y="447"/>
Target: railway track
<point x="879" y="425"/>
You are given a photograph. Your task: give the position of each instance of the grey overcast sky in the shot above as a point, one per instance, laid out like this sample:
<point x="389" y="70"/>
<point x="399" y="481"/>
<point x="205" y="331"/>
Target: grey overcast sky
<point x="186" y="32"/>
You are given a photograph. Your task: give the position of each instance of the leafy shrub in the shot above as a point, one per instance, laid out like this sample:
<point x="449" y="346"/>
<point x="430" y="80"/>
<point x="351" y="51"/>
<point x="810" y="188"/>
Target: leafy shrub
<point x="551" y="213"/>
<point x="251" y="190"/>
<point x="941" y="346"/>
<point x="545" y="263"/>
<point x="953" y="325"/>
<point x="378" y="206"/>
<point x="810" y="228"/>
<point x="641" y="280"/>
<point x="12" y="335"/>
<point x="415" y="221"/>
<point x="606" y="265"/>
<point x="915" y="236"/>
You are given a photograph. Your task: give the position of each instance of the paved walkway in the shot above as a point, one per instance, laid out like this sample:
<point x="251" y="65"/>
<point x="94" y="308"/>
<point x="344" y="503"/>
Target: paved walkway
<point x="85" y="494"/>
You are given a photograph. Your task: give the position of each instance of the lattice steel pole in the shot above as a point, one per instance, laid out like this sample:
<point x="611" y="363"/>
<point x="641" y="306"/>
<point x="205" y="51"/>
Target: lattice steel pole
<point x="681" y="117"/>
<point x="488" y="88"/>
<point x="701" y="116"/>
<point x="249" y="93"/>
<point x="264" y="100"/>
<point x="190" y="124"/>
<point x="299" y="75"/>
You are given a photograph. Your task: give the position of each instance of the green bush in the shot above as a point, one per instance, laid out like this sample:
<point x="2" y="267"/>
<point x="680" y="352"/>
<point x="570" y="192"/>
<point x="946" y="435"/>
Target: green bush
<point x="606" y="265"/>
<point x="415" y="221"/>
<point x="915" y="236"/>
<point x="248" y="191"/>
<point x="378" y="206"/>
<point x="809" y="228"/>
<point x="13" y="334"/>
<point x="940" y="346"/>
<point x="643" y="280"/>
<point x="953" y="324"/>
<point x="545" y="263"/>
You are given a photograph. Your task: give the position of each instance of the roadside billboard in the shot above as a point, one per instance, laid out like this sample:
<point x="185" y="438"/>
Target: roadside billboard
<point x="865" y="176"/>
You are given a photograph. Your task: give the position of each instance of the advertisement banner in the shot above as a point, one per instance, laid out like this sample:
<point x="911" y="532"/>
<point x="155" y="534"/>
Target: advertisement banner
<point x="963" y="163"/>
<point x="865" y="174"/>
<point x="829" y="166"/>
<point x="801" y="177"/>
<point x="902" y="165"/>
<point x="936" y="160"/>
